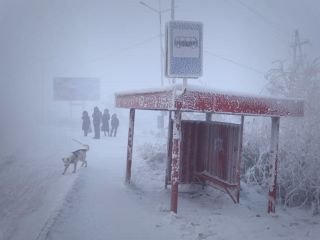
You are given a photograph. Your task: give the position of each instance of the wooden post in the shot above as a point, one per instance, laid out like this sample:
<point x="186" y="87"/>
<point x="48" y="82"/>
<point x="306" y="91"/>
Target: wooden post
<point x="238" y="170"/>
<point x="273" y="164"/>
<point x="175" y="165"/>
<point x="130" y="145"/>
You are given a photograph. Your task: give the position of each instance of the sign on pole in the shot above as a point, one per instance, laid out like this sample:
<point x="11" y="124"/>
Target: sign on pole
<point x="184" y="49"/>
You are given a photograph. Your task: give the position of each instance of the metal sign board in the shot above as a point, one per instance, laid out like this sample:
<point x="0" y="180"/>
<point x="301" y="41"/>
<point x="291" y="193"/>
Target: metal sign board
<point x="76" y="89"/>
<point x="184" y="49"/>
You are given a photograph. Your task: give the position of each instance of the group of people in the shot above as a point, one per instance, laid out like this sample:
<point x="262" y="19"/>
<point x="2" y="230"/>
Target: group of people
<point x="100" y="123"/>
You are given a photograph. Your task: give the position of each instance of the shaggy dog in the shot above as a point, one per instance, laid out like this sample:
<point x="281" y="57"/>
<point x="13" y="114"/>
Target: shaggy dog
<point x="74" y="157"/>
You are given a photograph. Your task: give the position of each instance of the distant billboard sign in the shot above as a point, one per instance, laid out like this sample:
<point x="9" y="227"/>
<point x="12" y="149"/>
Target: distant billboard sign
<point x="76" y="89"/>
<point x="184" y="49"/>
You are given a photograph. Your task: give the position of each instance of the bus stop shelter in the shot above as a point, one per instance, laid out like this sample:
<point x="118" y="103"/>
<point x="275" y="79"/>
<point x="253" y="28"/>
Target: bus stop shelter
<point x="207" y="151"/>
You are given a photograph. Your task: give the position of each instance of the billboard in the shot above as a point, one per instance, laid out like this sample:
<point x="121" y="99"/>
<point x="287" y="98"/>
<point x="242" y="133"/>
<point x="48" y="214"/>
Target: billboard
<point x="184" y="49"/>
<point x="76" y="89"/>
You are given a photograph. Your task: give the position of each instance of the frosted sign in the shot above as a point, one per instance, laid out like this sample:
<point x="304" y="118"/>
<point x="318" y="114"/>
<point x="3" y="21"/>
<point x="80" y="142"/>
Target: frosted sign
<point x="184" y="49"/>
<point x="76" y="89"/>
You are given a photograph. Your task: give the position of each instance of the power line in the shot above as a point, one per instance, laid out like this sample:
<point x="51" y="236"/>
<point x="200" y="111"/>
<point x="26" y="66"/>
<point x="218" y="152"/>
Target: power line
<point x="270" y="23"/>
<point x="120" y="51"/>
<point x="265" y="19"/>
<point x="129" y="47"/>
<point x="242" y="65"/>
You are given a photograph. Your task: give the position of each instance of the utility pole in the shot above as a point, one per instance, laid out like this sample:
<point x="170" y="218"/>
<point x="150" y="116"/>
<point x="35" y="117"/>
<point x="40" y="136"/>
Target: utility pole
<point x="172" y="9"/>
<point x="161" y="47"/>
<point x="172" y="19"/>
<point x="159" y="12"/>
<point x="298" y="59"/>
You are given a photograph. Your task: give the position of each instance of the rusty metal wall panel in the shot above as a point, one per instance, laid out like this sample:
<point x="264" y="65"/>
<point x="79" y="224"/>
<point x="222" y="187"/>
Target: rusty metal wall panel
<point x="203" y="145"/>
<point x="209" y="147"/>
<point x="186" y="160"/>
<point x="224" y="147"/>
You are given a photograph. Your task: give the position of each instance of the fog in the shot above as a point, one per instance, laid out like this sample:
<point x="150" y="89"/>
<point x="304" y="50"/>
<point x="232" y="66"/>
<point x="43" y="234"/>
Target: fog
<point x="117" y="41"/>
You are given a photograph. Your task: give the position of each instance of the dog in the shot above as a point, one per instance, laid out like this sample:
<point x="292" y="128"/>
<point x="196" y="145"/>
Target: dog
<point x="75" y="157"/>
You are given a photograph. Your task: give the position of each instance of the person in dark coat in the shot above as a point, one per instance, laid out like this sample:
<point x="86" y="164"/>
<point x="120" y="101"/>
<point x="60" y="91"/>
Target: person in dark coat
<point x="114" y="124"/>
<point x="86" y="126"/>
<point x="105" y="122"/>
<point x="96" y="120"/>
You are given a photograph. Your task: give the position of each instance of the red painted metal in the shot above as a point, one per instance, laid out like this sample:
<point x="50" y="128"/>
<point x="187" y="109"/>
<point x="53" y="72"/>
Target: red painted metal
<point x="229" y="188"/>
<point x="210" y="153"/>
<point x="223" y="150"/>
<point x="274" y="148"/>
<point x="239" y="158"/>
<point x="206" y="176"/>
<point x="130" y="145"/>
<point x="169" y="151"/>
<point x="175" y="166"/>
<point x="237" y="104"/>
<point x="205" y="101"/>
<point x="161" y="100"/>
<point x="202" y="158"/>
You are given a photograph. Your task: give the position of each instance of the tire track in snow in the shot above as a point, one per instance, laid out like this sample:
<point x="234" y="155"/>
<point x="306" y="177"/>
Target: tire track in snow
<point x="45" y="230"/>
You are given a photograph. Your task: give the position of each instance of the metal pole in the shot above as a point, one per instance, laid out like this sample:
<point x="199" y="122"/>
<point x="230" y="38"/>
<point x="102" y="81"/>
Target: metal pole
<point x="274" y="147"/>
<point x="175" y="165"/>
<point x="43" y="94"/>
<point x="185" y="83"/>
<point x="208" y="117"/>
<point x="161" y="59"/>
<point x="172" y="19"/>
<point x="239" y="158"/>
<point x="172" y="9"/>
<point x="161" y="48"/>
<point x="130" y="145"/>
<point x="169" y="150"/>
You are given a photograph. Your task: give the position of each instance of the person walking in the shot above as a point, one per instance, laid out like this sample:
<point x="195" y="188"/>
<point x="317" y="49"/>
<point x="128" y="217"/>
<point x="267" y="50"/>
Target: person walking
<point x="96" y="119"/>
<point x="105" y="122"/>
<point x="86" y="125"/>
<point x="114" y="124"/>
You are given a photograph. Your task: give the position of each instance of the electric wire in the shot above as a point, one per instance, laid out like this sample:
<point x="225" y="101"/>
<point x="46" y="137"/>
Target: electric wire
<point x="242" y="65"/>
<point x="274" y="26"/>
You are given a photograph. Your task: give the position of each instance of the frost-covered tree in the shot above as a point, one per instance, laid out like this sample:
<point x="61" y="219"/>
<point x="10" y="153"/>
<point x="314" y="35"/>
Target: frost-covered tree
<point x="299" y="170"/>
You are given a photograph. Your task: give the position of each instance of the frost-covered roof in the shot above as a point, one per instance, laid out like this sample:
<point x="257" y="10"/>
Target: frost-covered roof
<point x="194" y="98"/>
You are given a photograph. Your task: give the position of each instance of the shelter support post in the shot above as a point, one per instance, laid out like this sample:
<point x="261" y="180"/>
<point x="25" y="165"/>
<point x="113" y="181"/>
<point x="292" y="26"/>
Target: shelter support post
<point x="274" y="146"/>
<point x="169" y="150"/>
<point x="208" y="117"/>
<point x="175" y="165"/>
<point x="130" y="145"/>
<point x="238" y="170"/>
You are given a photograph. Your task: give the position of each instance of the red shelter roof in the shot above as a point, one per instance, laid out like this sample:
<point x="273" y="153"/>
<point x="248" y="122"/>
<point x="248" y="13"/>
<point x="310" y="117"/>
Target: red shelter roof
<point x="204" y="100"/>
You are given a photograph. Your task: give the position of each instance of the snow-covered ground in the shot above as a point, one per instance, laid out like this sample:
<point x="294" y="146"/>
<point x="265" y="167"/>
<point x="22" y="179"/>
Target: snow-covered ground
<point x="37" y="202"/>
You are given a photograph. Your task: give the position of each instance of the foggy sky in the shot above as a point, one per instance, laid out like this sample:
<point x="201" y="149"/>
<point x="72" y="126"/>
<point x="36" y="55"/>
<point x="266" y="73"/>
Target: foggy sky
<point x="118" y="42"/>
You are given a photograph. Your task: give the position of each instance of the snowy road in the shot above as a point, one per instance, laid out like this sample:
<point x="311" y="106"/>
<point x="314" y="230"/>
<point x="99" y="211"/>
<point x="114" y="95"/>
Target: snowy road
<point x="39" y="203"/>
<point x="101" y="207"/>
<point x="31" y="186"/>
